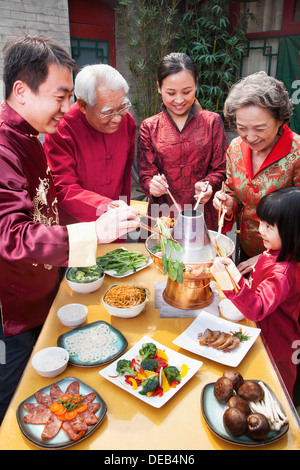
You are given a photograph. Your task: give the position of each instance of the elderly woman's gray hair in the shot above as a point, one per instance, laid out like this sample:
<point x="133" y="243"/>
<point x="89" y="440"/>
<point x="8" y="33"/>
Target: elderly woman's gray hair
<point x="259" y="89"/>
<point x="95" y="76"/>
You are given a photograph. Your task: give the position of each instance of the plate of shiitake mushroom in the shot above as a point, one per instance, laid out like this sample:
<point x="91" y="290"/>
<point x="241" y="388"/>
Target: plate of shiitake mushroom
<point x="243" y="412"/>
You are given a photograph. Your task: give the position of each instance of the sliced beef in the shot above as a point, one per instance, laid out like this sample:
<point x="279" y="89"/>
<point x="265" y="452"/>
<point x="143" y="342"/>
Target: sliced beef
<point x="43" y="398"/>
<point x="88" y="417"/>
<point x="38" y="416"/>
<point x="55" y="392"/>
<point x="52" y="427"/>
<point x="89" y="398"/>
<point x="73" y="435"/>
<point x="34" y="406"/>
<point x="72" y="389"/>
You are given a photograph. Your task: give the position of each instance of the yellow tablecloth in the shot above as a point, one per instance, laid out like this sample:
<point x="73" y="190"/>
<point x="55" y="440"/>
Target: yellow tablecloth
<point x="131" y="424"/>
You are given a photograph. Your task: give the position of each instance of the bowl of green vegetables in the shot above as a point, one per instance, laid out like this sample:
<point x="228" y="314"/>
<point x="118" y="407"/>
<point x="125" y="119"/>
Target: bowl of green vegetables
<point x="85" y="280"/>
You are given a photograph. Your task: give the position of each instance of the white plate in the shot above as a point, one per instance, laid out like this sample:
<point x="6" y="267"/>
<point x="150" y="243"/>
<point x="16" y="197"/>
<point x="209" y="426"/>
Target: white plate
<point x="112" y="273"/>
<point x="189" y="339"/>
<point x="174" y="358"/>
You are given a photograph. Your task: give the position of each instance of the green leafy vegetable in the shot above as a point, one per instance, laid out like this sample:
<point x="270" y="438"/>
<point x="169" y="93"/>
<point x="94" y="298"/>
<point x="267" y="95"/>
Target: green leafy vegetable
<point x="85" y="275"/>
<point x="122" y="261"/>
<point x="170" y="249"/>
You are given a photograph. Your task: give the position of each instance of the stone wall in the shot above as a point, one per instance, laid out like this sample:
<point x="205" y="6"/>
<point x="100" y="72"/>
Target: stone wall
<point x="21" y="17"/>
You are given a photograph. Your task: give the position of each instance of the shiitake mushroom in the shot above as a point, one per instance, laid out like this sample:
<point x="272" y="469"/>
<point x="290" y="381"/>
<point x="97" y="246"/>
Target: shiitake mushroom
<point x="251" y="391"/>
<point x="235" y="422"/>
<point x="258" y="426"/>
<point x="235" y="377"/>
<point x="223" y="390"/>
<point x="241" y="404"/>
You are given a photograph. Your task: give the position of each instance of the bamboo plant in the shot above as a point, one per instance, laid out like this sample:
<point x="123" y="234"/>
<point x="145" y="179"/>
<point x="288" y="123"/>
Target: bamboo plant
<point x="149" y="29"/>
<point x="216" y="46"/>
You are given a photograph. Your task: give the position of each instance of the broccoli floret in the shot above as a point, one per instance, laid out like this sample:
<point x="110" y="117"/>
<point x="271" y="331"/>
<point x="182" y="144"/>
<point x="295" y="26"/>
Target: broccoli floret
<point x="148" y="351"/>
<point x="172" y="373"/>
<point x="149" y="364"/>
<point x="149" y="385"/>
<point x="123" y="366"/>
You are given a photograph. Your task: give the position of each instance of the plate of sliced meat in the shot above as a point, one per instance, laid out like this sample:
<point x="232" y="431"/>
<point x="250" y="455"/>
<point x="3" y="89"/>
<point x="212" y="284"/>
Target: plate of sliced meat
<point x="61" y="414"/>
<point x="218" y="339"/>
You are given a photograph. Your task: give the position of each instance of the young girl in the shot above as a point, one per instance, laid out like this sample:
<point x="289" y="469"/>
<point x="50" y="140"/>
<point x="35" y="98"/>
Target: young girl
<point x="272" y="295"/>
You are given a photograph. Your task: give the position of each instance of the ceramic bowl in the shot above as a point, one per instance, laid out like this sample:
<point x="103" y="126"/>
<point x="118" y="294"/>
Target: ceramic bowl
<point x="50" y="362"/>
<point x="85" y="287"/>
<point x="72" y="315"/>
<point x="229" y="311"/>
<point x="124" y="312"/>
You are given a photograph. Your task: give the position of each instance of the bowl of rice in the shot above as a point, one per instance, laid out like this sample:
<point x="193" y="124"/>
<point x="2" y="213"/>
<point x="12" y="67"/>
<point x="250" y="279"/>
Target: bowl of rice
<point x="72" y="315"/>
<point x="125" y="301"/>
<point x="85" y="280"/>
<point x="229" y="311"/>
<point x="50" y="362"/>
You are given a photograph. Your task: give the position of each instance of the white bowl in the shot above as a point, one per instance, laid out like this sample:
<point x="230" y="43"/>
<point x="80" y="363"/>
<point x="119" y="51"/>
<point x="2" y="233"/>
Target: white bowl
<point x="124" y="312"/>
<point x="72" y="315"/>
<point x="229" y="311"/>
<point x="50" y="362"/>
<point x="85" y="287"/>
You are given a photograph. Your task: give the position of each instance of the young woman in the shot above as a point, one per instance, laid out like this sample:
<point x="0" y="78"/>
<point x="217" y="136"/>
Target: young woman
<point x="183" y="146"/>
<point x="271" y="297"/>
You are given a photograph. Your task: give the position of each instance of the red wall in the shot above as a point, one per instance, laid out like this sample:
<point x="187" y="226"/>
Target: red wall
<point x="93" y="19"/>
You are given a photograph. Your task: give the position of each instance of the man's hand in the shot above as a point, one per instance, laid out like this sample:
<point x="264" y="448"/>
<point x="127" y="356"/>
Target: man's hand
<point x="116" y="222"/>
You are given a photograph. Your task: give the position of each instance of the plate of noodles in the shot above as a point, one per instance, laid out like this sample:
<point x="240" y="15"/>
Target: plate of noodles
<point x="93" y="344"/>
<point x="125" y="301"/>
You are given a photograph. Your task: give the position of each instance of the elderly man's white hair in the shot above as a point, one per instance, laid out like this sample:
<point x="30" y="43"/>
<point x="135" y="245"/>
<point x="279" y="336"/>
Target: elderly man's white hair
<point x="94" y="76"/>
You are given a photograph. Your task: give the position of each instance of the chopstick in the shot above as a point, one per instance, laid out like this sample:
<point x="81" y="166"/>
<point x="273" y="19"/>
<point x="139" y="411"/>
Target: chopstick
<point x="138" y="214"/>
<point x="172" y="197"/>
<point x="235" y="285"/>
<point x="201" y="194"/>
<point x="222" y="203"/>
<point x="146" y="227"/>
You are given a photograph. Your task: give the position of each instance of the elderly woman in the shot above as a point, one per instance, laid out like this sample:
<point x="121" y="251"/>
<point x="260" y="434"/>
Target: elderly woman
<point x="92" y="152"/>
<point x="265" y="156"/>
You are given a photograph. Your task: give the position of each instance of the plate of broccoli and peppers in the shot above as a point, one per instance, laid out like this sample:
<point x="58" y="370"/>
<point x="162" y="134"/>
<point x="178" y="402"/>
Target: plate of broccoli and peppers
<point x="151" y="372"/>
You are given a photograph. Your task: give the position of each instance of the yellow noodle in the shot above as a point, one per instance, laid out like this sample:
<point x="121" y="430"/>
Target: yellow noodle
<point x="125" y="296"/>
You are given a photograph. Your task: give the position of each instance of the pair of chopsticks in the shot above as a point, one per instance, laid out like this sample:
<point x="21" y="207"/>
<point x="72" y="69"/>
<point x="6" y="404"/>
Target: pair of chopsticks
<point x="235" y="285"/>
<point x="146" y="227"/>
<point x="201" y="194"/>
<point x="222" y="212"/>
<point x="153" y="230"/>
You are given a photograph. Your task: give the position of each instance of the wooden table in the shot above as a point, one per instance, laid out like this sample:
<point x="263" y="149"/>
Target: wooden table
<point x="131" y="424"/>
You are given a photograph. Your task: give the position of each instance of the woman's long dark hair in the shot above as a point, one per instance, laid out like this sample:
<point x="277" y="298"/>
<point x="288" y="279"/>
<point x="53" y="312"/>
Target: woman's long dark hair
<point x="173" y="63"/>
<point x="282" y="208"/>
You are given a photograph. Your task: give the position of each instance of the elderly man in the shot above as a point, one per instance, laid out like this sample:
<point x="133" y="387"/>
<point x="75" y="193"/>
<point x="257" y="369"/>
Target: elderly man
<point x="38" y="89"/>
<point x="92" y="153"/>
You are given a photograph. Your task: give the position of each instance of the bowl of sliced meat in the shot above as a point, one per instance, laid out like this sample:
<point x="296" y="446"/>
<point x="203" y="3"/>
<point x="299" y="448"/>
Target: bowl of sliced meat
<point x="50" y="362"/>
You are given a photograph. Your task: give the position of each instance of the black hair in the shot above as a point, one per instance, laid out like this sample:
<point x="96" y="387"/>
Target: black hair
<point x="28" y="58"/>
<point x="173" y="63"/>
<point x="282" y="208"/>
